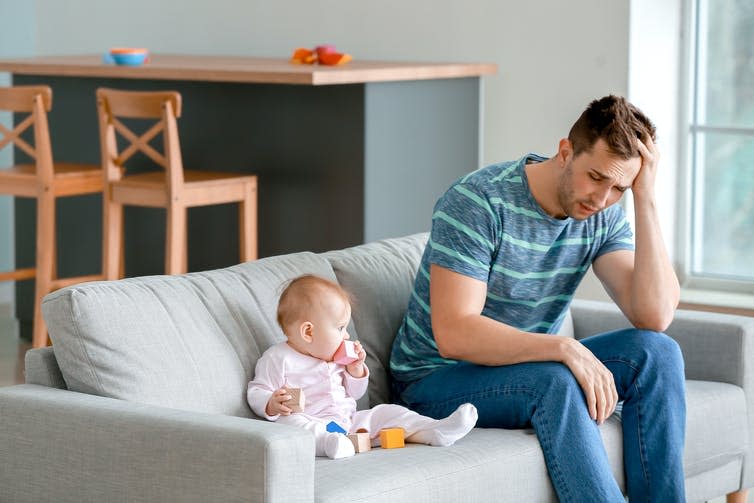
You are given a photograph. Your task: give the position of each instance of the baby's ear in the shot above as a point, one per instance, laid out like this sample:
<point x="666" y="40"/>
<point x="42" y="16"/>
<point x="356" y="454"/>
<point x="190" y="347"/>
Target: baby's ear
<point x="305" y="331"/>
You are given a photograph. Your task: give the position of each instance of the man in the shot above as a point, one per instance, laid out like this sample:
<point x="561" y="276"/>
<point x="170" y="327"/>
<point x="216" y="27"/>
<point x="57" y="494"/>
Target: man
<point x="508" y="247"/>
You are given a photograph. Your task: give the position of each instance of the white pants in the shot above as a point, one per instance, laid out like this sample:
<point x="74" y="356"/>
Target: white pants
<point x="373" y="420"/>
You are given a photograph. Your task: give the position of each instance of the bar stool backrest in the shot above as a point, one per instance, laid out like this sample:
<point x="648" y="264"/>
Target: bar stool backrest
<point x="36" y="101"/>
<point x="164" y="107"/>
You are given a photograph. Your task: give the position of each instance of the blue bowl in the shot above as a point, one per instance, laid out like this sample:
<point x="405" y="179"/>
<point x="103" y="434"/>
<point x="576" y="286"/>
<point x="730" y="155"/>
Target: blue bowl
<point x="129" y="58"/>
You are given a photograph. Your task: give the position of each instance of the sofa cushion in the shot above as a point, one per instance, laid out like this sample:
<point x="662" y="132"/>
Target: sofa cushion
<point x="507" y="465"/>
<point x="380" y="276"/>
<point x="715" y="425"/>
<point x="187" y="342"/>
<point x="566" y="329"/>
<point x="486" y="465"/>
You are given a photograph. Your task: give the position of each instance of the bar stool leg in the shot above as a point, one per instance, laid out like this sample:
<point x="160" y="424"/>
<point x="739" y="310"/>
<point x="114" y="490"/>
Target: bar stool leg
<point x="247" y="224"/>
<point x="45" y="267"/>
<point x="176" y="244"/>
<point x="112" y="242"/>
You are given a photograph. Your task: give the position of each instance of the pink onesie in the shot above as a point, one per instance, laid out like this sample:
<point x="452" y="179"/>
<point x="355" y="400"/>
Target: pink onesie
<point x="330" y="392"/>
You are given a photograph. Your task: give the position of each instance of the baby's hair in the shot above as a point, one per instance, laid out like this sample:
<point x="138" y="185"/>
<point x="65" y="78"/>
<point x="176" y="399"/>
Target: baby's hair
<point x="301" y="294"/>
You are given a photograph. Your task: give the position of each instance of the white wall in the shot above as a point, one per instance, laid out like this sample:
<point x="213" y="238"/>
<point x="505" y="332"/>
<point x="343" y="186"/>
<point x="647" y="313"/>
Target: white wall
<point x="654" y="86"/>
<point x="553" y="56"/>
<point x="654" y="71"/>
<point x="16" y="40"/>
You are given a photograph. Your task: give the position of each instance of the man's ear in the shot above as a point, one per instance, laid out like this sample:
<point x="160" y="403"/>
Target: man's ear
<point x="565" y="150"/>
<point x="305" y="331"/>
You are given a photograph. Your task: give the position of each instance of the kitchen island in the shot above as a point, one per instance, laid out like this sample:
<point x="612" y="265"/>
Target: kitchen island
<point x="344" y="154"/>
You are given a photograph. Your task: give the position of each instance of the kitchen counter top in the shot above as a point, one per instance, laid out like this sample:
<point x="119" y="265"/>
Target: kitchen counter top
<point x="243" y="69"/>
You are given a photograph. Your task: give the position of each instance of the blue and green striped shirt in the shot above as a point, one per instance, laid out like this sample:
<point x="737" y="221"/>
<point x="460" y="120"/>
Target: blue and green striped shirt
<point x="488" y="226"/>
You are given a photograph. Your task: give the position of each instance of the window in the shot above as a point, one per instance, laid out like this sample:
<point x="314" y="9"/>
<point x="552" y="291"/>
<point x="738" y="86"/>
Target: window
<point x="720" y="238"/>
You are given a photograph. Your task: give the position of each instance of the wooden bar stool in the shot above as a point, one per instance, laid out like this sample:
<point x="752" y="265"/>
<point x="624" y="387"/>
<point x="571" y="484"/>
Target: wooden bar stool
<point x="46" y="181"/>
<point x="172" y="187"/>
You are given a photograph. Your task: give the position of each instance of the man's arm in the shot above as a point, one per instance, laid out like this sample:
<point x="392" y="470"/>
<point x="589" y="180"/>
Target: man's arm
<point x="463" y="333"/>
<point x="643" y="283"/>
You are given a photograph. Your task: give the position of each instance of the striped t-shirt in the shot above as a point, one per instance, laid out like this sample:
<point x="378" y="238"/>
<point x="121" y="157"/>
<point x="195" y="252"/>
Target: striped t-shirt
<point x="488" y="226"/>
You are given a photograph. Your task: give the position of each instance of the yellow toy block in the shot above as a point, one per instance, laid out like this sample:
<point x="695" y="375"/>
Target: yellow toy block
<point x="392" y="438"/>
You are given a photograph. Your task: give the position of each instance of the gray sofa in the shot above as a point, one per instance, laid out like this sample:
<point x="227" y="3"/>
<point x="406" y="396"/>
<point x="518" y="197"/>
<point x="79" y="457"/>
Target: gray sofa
<point x="142" y="397"/>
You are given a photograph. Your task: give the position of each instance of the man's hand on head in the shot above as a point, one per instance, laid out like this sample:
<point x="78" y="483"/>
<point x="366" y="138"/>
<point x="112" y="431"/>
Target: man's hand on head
<point x="644" y="183"/>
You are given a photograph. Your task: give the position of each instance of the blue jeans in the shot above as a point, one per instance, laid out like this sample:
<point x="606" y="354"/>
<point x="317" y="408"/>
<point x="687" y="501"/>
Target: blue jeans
<point x="649" y="377"/>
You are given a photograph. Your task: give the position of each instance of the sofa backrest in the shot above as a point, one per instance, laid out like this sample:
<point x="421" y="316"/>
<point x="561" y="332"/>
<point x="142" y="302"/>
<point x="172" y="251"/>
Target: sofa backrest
<point x="187" y="342"/>
<point x="380" y="276"/>
<point x="192" y="341"/>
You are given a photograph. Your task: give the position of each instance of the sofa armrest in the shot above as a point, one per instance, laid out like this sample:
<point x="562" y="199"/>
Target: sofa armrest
<point x="592" y="317"/>
<point x="58" y="445"/>
<point x="716" y="347"/>
<point x="41" y="367"/>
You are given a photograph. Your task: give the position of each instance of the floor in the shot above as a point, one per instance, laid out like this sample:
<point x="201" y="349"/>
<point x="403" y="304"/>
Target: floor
<point x="12" y="350"/>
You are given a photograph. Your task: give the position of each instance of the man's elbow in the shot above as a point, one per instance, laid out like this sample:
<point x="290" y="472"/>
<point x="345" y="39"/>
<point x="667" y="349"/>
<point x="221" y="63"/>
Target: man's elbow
<point x="445" y="341"/>
<point x="653" y="314"/>
<point x="656" y="321"/>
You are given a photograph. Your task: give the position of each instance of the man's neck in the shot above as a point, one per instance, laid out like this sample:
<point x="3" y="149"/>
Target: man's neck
<point x="543" y="183"/>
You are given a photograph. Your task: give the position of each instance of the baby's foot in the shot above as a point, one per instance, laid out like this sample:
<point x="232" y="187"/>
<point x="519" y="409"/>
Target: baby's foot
<point x="338" y="446"/>
<point x="444" y="432"/>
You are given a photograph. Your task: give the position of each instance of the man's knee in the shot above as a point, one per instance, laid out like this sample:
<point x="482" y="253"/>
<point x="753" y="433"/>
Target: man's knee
<point x="658" y="349"/>
<point x="659" y="344"/>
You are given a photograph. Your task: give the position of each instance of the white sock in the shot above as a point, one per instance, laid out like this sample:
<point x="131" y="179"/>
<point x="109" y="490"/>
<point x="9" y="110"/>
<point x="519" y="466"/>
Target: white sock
<point x="444" y="432"/>
<point x="338" y="446"/>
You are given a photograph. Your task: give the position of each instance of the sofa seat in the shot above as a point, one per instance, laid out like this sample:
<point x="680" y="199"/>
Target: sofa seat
<point x="509" y="463"/>
<point x="474" y="469"/>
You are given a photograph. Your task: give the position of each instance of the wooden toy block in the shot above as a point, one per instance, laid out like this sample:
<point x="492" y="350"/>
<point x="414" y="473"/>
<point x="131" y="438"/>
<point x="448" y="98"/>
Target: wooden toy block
<point x="360" y="441"/>
<point x="392" y="438"/>
<point x="297" y="401"/>
<point x="346" y="353"/>
<point x="334" y="427"/>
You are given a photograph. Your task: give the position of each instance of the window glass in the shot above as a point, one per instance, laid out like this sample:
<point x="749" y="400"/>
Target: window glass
<point x="725" y="206"/>
<point x="722" y="136"/>
<point x="726" y="66"/>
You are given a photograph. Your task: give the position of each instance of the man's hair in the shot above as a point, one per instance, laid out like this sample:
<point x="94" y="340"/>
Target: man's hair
<point x="304" y="293"/>
<point x="617" y="122"/>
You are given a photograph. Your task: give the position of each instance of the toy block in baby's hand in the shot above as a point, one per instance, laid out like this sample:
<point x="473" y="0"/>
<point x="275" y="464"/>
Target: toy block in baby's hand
<point x="297" y="401"/>
<point x="392" y="438"/>
<point x="346" y="353"/>
<point x="360" y="440"/>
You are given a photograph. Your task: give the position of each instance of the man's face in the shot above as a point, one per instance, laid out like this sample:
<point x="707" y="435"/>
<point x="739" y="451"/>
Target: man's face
<point x="594" y="180"/>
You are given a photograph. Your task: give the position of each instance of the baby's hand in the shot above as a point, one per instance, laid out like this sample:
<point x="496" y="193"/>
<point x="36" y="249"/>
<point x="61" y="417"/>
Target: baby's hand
<point x="357" y="369"/>
<point x="275" y="405"/>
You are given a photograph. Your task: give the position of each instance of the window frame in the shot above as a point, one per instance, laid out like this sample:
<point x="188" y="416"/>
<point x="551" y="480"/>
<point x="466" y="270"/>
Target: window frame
<point x="691" y="89"/>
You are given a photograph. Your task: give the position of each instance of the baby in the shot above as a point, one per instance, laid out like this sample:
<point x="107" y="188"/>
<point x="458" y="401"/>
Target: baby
<point x="314" y="314"/>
